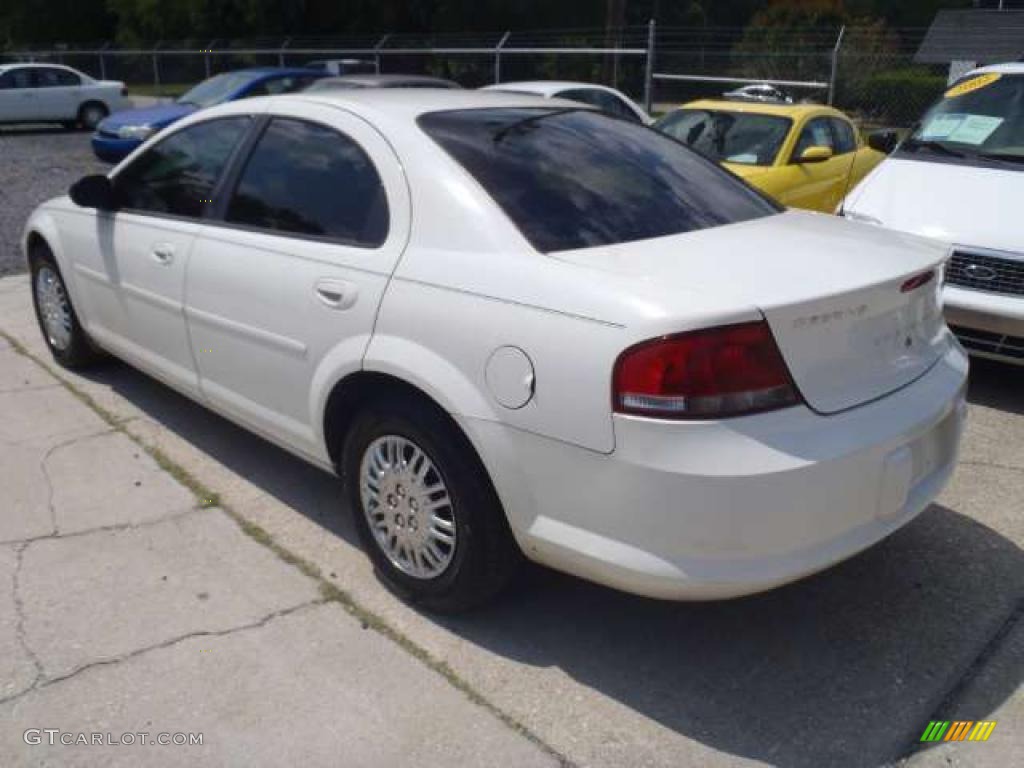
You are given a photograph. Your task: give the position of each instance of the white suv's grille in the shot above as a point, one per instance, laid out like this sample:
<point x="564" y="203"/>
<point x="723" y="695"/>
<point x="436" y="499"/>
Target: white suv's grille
<point x="975" y="340"/>
<point x="986" y="272"/>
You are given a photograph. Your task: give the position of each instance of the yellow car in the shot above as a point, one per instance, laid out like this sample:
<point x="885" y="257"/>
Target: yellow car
<point x="803" y="155"/>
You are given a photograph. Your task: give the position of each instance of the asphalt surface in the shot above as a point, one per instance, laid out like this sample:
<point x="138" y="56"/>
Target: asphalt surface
<point x="845" y="668"/>
<point x="36" y="163"/>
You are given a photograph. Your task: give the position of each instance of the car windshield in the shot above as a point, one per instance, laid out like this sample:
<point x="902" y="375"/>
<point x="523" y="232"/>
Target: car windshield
<point x="577" y="178"/>
<point x="746" y="138"/>
<point x="216" y="89"/>
<point x="980" y="118"/>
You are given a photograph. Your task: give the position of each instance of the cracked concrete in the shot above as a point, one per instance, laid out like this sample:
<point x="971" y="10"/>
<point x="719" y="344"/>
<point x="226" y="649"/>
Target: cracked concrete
<point x="842" y="669"/>
<point x="127" y="604"/>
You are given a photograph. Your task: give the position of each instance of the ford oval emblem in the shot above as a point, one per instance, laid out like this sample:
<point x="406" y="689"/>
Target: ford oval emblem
<point x="980" y="272"/>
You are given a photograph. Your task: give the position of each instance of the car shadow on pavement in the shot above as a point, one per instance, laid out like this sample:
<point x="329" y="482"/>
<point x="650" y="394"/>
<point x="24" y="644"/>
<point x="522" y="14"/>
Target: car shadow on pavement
<point x="996" y="385"/>
<point x="843" y="668"/>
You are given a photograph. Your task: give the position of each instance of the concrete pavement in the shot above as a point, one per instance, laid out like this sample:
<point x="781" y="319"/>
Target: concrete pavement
<point x="845" y="668"/>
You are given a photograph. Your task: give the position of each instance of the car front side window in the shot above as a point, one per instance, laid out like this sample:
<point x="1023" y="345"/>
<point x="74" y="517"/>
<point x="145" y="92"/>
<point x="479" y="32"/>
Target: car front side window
<point x="309" y="179"/>
<point x="177" y="176"/>
<point x="16" y="78"/>
<point x="815" y="134"/>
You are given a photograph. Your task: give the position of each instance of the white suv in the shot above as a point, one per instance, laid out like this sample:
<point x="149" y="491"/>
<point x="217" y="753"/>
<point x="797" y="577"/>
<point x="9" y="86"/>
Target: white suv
<point x="959" y="178"/>
<point x="52" y="93"/>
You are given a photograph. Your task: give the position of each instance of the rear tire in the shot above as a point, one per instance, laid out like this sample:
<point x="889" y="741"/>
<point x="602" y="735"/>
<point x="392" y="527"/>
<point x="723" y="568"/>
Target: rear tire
<point x="440" y="540"/>
<point x="67" y="340"/>
<point x="90" y="114"/>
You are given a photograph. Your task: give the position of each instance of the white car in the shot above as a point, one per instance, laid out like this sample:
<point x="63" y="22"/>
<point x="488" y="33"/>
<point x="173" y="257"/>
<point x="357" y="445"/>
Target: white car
<point x="600" y="96"/>
<point x="517" y="326"/>
<point x="53" y="93"/>
<point x="960" y="178"/>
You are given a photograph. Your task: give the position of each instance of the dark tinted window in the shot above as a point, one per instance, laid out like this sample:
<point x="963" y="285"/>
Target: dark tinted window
<point x="16" y="78"/>
<point x="577" y="178"/>
<point x="816" y="133"/>
<point x="178" y="175"/>
<point x="845" y="138"/>
<point x="606" y="102"/>
<point x="309" y="179"/>
<point x="47" y="77"/>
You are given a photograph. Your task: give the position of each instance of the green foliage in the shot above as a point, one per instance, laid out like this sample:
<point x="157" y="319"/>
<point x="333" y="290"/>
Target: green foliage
<point x="897" y="97"/>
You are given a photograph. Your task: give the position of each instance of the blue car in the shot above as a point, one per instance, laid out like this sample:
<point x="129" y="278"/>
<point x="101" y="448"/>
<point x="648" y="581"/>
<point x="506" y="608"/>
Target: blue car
<point x="118" y="135"/>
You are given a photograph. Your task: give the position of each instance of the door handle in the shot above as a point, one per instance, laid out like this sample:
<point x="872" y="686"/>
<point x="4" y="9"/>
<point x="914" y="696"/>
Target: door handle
<point x="162" y="253"/>
<point x="336" y="294"/>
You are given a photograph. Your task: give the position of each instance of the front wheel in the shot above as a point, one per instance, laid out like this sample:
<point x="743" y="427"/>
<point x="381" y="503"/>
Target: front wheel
<point x="64" y="335"/>
<point x="425" y="509"/>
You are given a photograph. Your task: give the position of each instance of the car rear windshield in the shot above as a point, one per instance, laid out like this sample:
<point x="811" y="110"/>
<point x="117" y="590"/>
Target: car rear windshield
<point x="575" y="178"/>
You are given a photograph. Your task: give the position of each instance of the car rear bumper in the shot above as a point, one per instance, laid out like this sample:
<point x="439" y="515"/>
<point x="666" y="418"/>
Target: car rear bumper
<point x="988" y="324"/>
<point x="707" y="510"/>
<point x="111" y="149"/>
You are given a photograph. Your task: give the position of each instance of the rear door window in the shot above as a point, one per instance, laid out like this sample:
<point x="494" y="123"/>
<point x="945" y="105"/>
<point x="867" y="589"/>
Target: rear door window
<point x="573" y="178"/>
<point x="309" y="179"/>
<point x="178" y="175"/>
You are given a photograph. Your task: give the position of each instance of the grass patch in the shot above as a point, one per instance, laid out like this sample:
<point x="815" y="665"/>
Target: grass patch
<point x="170" y="90"/>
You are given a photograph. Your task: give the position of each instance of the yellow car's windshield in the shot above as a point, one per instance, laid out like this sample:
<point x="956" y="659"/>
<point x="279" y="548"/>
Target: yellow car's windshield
<point x="745" y="138"/>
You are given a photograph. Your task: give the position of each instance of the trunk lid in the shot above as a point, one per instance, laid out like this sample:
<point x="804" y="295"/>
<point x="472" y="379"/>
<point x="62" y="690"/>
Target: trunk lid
<point x="831" y="290"/>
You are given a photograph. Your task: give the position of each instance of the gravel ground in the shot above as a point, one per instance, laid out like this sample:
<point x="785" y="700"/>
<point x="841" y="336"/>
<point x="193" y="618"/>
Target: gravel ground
<point x="36" y="163"/>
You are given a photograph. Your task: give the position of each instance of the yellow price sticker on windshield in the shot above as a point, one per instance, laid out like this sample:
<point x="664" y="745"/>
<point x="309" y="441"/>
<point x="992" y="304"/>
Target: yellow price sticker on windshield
<point x="972" y="85"/>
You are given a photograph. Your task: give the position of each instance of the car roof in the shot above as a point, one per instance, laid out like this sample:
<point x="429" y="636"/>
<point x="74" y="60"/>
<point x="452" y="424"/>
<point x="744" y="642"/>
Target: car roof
<point x="543" y="87"/>
<point x="1008" y="68"/>
<point x="412" y="102"/>
<point x="384" y="80"/>
<point x="265" y="71"/>
<point x="763" y="108"/>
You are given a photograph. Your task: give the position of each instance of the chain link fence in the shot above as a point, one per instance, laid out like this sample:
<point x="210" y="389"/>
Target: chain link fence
<point x="868" y="71"/>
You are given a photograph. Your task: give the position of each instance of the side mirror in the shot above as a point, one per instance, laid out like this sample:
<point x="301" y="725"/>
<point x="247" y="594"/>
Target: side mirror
<point x="93" y="192"/>
<point x="883" y="141"/>
<point x="815" y="155"/>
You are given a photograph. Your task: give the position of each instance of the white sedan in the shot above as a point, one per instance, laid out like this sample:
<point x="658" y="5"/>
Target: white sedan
<point x="53" y="93"/>
<point x="519" y="327"/>
<point x="599" y="96"/>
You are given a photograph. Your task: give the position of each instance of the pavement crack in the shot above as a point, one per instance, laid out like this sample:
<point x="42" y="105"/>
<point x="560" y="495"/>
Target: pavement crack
<point x="19" y="627"/>
<point x="114" y="527"/>
<point x="992" y="465"/>
<point x="41" y="682"/>
<point x="971" y="671"/>
<point x="46" y="472"/>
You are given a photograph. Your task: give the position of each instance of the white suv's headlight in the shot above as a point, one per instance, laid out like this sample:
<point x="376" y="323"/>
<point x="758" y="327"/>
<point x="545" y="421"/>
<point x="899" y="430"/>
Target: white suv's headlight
<point x="140" y="132"/>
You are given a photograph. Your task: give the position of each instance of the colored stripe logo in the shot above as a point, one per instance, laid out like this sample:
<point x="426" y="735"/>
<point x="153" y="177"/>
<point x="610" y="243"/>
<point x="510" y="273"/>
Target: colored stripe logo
<point x="958" y="730"/>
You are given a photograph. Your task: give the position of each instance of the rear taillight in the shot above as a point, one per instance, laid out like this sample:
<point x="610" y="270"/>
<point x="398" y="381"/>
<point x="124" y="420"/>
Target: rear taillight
<point x="917" y="281"/>
<point x="724" y="371"/>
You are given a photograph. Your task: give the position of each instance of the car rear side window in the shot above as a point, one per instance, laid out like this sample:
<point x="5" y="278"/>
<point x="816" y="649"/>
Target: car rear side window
<point x="178" y="175"/>
<point x="606" y="102"/>
<point x="576" y="178"/>
<point x="311" y="180"/>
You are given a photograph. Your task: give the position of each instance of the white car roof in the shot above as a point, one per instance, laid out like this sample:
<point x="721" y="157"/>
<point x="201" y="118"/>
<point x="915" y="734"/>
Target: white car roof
<point x="545" y="88"/>
<point x="1009" y="68"/>
<point x="410" y="103"/>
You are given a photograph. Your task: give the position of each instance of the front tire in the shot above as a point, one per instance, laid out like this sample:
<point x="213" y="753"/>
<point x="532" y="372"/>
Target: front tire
<point x="67" y="340"/>
<point x="425" y="508"/>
